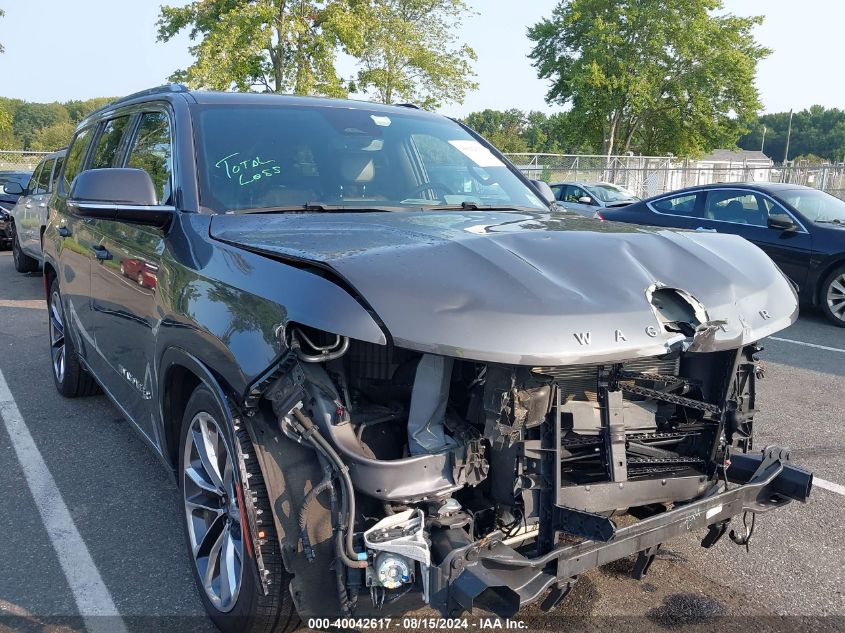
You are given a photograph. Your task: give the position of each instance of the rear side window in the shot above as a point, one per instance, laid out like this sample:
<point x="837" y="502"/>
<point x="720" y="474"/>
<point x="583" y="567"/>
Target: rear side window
<point x="56" y="171"/>
<point x="42" y="184"/>
<point x="151" y="151"/>
<point x="108" y="143"/>
<point x="678" y="205"/>
<point x="75" y="156"/>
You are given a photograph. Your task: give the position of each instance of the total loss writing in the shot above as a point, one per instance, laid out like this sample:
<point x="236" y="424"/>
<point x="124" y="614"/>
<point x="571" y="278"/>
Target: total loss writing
<point x="248" y="170"/>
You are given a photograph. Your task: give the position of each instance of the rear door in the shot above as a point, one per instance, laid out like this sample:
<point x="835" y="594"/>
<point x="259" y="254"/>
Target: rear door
<point x="73" y="238"/>
<point x="746" y="212"/>
<point x="25" y="210"/>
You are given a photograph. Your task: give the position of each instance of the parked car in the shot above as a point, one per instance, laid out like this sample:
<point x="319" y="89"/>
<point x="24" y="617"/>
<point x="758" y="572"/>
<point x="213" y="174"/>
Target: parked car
<point x="418" y="389"/>
<point x="143" y="273"/>
<point x="800" y="228"/>
<point x="29" y="215"/>
<point x="590" y="198"/>
<point x="7" y="201"/>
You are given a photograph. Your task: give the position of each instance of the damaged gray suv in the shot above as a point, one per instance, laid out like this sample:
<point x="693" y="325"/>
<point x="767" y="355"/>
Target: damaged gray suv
<point x="386" y="371"/>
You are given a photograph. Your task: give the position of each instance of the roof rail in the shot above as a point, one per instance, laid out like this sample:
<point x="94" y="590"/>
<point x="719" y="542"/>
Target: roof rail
<point x="407" y="105"/>
<point x="165" y="88"/>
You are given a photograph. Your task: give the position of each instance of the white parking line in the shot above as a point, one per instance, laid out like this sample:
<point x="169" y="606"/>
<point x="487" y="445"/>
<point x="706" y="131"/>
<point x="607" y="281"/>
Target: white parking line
<point x="92" y="598"/>
<point x="829" y="485"/>
<point x="813" y="345"/>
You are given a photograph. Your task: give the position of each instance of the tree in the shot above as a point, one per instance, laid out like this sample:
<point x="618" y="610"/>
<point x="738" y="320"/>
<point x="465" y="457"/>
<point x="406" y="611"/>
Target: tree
<point x="2" y="13"/>
<point x="270" y="45"/>
<point x="408" y="51"/>
<point x="817" y="131"/>
<point x="661" y="75"/>
<point x="78" y="110"/>
<point x="31" y="117"/>
<point x="48" y="139"/>
<point x="504" y="129"/>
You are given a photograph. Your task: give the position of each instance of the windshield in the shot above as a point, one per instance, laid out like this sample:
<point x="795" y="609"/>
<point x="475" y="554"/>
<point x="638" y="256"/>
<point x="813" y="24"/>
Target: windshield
<point x="816" y="206"/>
<point x="612" y="193"/>
<point x="283" y="157"/>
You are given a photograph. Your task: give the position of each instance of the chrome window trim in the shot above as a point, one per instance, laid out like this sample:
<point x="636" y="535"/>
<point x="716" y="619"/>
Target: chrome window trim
<point x="744" y="189"/>
<point x="120" y="206"/>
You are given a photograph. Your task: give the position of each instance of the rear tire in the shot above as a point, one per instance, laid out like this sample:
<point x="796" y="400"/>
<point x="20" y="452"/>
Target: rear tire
<point x="832" y="297"/>
<point x="23" y="262"/>
<point x="240" y="607"/>
<point x="69" y="375"/>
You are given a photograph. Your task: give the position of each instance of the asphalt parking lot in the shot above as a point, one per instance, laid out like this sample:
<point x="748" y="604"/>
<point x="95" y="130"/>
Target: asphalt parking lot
<point x="124" y="511"/>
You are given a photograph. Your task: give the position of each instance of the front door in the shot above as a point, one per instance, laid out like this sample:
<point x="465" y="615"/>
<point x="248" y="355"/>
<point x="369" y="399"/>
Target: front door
<point x="124" y="280"/>
<point x="746" y="213"/>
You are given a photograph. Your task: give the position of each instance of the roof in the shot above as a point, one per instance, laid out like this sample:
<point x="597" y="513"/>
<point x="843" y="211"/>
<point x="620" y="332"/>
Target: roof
<point x="254" y="98"/>
<point x="736" y="156"/>
<point x="766" y="187"/>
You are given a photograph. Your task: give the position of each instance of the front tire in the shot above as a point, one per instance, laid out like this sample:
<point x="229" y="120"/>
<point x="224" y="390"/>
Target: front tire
<point x="223" y="562"/>
<point x="23" y="262"/>
<point x="69" y="375"/>
<point x="832" y="297"/>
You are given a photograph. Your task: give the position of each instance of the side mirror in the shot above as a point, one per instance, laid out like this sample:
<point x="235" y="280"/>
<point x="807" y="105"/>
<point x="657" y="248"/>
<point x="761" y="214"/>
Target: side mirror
<point x="14" y="188"/>
<point x="544" y="190"/>
<point x="116" y="193"/>
<point x="585" y="200"/>
<point x="781" y="223"/>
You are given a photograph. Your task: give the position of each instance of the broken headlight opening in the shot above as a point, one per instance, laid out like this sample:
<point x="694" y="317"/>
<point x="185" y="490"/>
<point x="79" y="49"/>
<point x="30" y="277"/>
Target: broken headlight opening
<point x="464" y="483"/>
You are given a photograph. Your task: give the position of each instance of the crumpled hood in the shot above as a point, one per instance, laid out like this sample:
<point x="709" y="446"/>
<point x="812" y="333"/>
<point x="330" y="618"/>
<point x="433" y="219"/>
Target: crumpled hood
<point x="529" y="289"/>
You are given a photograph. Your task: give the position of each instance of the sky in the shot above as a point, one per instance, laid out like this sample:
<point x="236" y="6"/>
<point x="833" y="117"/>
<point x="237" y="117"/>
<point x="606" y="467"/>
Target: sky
<point x="57" y="50"/>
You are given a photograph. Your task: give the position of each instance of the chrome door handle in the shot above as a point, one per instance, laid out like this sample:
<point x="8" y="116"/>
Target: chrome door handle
<point x="701" y="228"/>
<point x="101" y="252"/>
<point x="28" y="205"/>
<point x="42" y="204"/>
<point x="64" y="231"/>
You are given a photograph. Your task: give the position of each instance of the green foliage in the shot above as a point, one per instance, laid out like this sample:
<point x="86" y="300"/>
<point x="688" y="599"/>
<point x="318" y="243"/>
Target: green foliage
<point x="47" y="139"/>
<point x="409" y="52"/>
<point x="270" y="45"/>
<point x="42" y="126"/>
<point x="517" y="131"/>
<point x="653" y="75"/>
<point x="817" y="131"/>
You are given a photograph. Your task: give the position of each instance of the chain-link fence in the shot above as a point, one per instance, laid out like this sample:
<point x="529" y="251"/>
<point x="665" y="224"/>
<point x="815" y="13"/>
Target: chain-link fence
<point x="17" y="160"/>
<point x="651" y="175"/>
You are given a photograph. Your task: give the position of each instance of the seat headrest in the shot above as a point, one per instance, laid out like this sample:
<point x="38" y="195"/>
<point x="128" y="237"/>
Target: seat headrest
<point x="357" y="167"/>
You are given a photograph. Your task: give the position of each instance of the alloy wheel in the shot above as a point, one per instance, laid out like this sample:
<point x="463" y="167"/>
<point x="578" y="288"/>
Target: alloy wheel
<point x="57" y="336"/>
<point x="836" y="297"/>
<point x="212" y="511"/>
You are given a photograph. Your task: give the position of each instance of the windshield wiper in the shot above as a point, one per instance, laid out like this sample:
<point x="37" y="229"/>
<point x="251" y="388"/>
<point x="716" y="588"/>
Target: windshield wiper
<point x="831" y="221"/>
<point x="310" y="207"/>
<point x="474" y="206"/>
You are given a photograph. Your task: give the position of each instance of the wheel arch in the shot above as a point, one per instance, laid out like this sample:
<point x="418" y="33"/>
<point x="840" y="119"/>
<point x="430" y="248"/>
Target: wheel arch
<point x="829" y="266"/>
<point x="180" y="373"/>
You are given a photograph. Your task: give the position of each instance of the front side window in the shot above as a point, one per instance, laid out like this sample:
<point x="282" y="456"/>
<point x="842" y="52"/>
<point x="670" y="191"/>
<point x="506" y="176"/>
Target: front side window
<point x="108" y="143"/>
<point x="151" y="151"/>
<point x="737" y="207"/>
<point x="42" y="180"/>
<point x="260" y="157"/>
<point x="574" y="194"/>
<point x="612" y="193"/>
<point x="678" y="205"/>
<point x="75" y="156"/>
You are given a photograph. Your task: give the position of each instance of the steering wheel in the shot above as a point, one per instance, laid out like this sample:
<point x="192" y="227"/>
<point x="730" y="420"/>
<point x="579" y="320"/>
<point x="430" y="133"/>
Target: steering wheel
<point x="430" y="186"/>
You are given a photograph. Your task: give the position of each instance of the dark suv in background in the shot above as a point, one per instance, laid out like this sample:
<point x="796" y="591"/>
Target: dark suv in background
<point x="384" y="372"/>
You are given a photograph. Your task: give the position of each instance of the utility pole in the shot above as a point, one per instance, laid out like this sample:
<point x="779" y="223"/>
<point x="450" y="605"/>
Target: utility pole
<point x="788" y="135"/>
<point x="763" y="144"/>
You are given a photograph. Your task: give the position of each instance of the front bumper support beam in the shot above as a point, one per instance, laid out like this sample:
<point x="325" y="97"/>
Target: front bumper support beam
<point x="492" y="574"/>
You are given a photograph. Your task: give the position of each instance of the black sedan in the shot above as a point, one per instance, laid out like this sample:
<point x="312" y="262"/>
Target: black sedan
<point x="802" y="230"/>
